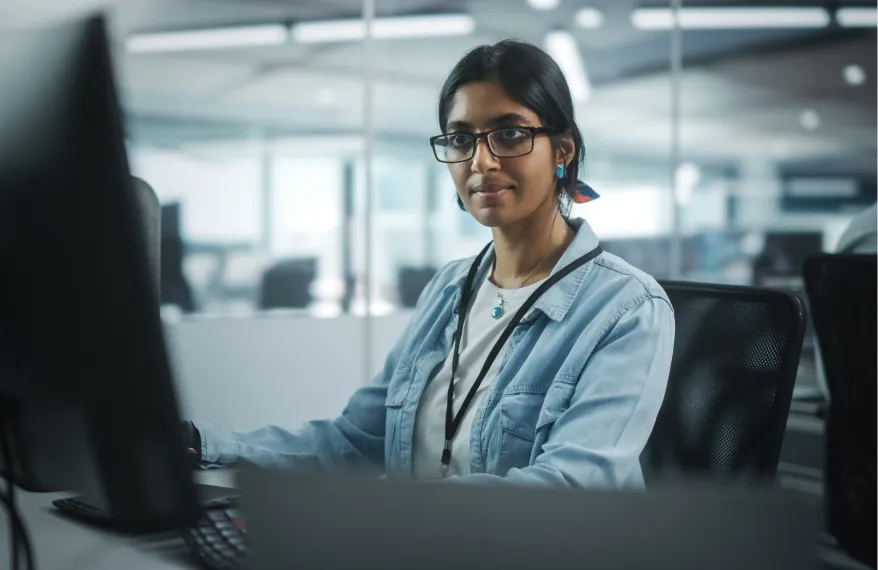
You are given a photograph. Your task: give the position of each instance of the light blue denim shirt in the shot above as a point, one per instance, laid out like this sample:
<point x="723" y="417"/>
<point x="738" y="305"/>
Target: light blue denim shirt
<point x="573" y="403"/>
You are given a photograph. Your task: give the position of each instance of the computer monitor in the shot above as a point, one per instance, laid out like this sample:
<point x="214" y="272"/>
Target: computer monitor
<point x="783" y="256"/>
<point x="842" y="290"/>
<point x="84" y="375"/>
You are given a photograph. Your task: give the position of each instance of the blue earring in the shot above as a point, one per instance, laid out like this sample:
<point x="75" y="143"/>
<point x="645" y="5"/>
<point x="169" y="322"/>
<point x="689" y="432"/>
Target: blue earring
<point x="559" y="172"/>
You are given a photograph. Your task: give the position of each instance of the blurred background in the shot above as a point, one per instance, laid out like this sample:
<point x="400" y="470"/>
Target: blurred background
<point x="290" y="153"/>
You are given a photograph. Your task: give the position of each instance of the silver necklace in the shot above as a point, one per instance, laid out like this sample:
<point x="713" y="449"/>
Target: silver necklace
<point x="498" y="309"/>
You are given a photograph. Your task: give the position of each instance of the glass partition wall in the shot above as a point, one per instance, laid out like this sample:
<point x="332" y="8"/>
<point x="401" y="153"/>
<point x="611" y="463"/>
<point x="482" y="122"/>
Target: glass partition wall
<point x="728" y="140"/>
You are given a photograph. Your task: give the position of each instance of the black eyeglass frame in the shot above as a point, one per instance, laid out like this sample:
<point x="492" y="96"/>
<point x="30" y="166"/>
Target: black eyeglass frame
<point x="534" y="131"/>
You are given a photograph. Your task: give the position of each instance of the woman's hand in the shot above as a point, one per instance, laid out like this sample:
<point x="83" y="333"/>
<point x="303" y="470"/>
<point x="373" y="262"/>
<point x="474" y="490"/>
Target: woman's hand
<point x="192" y="440"/>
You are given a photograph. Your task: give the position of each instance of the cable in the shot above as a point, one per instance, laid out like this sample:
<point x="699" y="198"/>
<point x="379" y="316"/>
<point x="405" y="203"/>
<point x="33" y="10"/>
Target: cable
<point x="14" y="530"/>
<point x="9" y="499"/>
<point x="19" y="538"/>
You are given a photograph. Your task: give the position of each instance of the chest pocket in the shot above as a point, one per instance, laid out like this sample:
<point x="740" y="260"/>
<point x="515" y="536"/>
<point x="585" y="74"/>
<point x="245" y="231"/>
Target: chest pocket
<point x="525" y="412"/>
<point x="526" y="409"/>
<point x="397" y="392"/>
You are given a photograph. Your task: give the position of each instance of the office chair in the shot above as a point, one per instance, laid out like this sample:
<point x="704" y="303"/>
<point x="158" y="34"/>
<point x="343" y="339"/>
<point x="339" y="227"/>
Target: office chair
<point x="149" y="212"/>
<point x="842" y="294"/>
<point x="411" y="282"/>
<point x="287" y="284"/>
<point x="175" y="287"/>
<point x="724" y="415"/>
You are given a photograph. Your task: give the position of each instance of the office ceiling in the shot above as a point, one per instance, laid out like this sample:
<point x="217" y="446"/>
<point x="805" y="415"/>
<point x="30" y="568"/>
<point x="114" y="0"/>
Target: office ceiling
<point x="743" y="92"/>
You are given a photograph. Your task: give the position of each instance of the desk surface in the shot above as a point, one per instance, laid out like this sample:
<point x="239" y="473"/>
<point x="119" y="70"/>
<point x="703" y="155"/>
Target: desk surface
<point x="62" y="543"/>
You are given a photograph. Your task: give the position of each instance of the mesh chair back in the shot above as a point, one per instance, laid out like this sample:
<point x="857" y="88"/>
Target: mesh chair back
<point x="736" y="354"/>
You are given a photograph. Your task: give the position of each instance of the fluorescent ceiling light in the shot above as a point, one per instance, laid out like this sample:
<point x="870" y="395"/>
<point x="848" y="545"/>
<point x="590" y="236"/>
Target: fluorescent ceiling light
<point x="731" y="18"/>
<point x="589" y="18"/>
<point x="385" y="28"/>
<point x="214" y="38"/>
<point x="562" y="47"/>
<point x="861" y="17"/>
<point x="544" y="4"/>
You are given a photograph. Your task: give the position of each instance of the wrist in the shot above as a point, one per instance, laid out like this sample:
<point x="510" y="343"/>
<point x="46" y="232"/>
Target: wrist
<point x="192" y="438"/>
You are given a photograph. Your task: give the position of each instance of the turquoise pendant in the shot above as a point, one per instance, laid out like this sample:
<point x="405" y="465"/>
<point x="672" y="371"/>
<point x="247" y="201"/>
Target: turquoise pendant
<point x="497" y="311"/>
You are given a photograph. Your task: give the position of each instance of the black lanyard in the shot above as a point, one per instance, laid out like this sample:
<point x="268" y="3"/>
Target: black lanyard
<point x="452" y="422"/>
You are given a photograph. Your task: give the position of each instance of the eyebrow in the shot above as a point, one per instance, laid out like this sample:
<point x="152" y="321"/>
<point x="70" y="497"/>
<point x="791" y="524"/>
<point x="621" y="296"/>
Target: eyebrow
<point x="499" y="120"/>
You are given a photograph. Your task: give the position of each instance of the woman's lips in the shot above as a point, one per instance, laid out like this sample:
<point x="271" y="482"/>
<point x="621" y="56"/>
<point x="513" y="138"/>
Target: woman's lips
<point x="490" y="191"/>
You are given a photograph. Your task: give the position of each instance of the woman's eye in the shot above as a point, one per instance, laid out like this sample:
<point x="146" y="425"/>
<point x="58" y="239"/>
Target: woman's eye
<point x="460" y="141"/>
<point x="512" y="135"/>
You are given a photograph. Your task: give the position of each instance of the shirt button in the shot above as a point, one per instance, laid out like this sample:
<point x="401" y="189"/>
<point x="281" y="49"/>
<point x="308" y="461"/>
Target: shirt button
<point x="478" y="416"/>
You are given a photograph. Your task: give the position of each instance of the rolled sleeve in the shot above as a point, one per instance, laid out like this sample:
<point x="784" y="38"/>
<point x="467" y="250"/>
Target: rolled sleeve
<point x="354" y="441"/>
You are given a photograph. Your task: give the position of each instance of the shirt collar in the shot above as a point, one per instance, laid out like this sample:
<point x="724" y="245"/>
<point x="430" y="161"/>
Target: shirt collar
<point x="558" y="299"/>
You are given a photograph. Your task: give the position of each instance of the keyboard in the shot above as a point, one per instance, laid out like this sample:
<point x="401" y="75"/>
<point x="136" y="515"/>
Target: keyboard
<point x="218" y="541"/>
<point x="83" y="510"/>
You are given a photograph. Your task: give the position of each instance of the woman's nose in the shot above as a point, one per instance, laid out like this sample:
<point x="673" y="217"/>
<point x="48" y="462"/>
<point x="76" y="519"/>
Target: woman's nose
<point x="483" y="159"/>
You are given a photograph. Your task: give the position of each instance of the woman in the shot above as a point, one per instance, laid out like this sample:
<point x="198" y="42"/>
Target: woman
<point x="559" y="352"/>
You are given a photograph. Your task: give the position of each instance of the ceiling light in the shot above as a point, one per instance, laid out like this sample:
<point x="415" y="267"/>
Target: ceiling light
<point x="544" y="4"/>
<point x="854" y="74"/>
<point x="857" y="17"/>
<point x="810" y="120"/>
<point x="384" y="28"/>
<point x="589" y="18"/>
<point x="213" y="38"/>
<point x="562" y="47"/>
<point x="730" y="18"/>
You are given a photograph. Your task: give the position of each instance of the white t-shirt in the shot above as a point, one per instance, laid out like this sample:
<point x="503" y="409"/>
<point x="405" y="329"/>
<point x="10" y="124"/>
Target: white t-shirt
<point x="481" y="332"/>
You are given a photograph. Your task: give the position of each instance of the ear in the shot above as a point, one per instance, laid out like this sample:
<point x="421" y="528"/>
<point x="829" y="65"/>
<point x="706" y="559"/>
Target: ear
<point x="566" y="149"/>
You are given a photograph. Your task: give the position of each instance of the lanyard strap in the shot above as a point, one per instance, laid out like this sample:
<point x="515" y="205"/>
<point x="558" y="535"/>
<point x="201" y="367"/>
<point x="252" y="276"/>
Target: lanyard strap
<point x="452" y="422"/>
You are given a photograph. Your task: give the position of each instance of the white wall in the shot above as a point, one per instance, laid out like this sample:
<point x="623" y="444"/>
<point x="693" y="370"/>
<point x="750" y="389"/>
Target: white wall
<point x="284" y="370"/>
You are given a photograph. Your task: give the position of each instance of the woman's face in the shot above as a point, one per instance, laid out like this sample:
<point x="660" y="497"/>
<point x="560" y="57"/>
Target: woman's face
<point x="501" y="191"/>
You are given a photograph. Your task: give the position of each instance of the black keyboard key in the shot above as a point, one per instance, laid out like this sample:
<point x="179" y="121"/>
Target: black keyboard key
<point x="218" y="541"/>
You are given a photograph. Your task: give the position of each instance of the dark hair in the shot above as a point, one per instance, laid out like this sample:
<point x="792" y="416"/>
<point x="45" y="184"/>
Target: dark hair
<point x="532" y="78"/>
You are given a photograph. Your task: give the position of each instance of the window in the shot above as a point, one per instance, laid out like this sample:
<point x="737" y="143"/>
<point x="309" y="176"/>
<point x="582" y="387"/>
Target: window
<point x="219" y="196"/>
<point x="306" y="218"/>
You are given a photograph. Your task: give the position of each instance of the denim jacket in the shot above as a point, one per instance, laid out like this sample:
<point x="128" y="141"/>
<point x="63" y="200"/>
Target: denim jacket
<point x="573" y="403"/>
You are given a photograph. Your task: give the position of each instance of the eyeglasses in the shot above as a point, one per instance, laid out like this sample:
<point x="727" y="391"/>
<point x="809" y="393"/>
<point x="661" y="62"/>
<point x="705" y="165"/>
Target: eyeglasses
<point x="507" y="142"/>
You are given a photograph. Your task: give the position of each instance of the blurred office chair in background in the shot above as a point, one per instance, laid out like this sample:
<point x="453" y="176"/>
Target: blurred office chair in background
<point x="842" y="292"/>
<point x="411" y="281"/>
<point x="731" y="382"/>
<point x="175" y="288"/>
<point x="287" y="284"/>
<point x="782" y="258"/>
